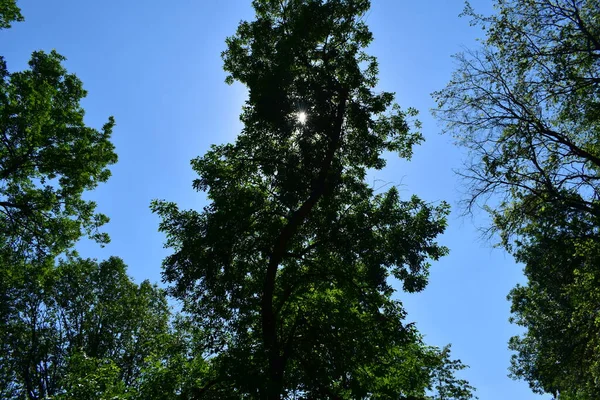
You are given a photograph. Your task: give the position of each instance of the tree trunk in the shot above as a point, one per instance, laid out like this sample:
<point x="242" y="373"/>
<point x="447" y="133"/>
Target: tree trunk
<point x="268" y="316"/>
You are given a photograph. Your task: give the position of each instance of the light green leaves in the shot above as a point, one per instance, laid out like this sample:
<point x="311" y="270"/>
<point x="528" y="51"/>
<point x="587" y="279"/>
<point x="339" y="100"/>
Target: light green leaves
<point x="81" y="329"/>
<point x="48" y="159"/>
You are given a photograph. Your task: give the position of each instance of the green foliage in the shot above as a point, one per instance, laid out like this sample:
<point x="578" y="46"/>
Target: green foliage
<point x="559" y="353"/>
<point x="446" y="386"/>
<point x="527" y="107"/>
<point x="90" y="378"/>
<point x="180" y="366"/>
<point x="79" y="330"/>
<point x="287" y="269"/>
<point x="48" y="158"/>
<point x="9" y="12"/>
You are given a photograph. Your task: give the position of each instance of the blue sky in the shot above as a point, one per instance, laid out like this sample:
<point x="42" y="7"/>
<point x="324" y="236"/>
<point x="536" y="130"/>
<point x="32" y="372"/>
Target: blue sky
<point x="155" y="65"/>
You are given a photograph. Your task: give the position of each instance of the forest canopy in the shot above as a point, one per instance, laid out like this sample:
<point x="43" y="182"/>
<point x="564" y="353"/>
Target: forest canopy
<point x="283" y="277"/>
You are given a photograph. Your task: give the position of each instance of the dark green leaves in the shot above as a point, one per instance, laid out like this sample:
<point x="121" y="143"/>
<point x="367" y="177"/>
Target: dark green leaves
<point x="9" y="12"/>
<point x="287" y="268"/>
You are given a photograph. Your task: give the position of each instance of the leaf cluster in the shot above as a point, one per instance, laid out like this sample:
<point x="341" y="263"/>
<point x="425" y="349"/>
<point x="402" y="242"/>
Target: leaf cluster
<point x="48" y="158"/>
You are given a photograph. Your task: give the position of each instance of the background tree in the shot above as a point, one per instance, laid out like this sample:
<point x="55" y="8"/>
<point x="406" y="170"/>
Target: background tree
<point x="446" y="385"/>
<point x="287" y="268"/>
<point x="527" y="106"/>
<point x="181" y="366"/>
<point x="48" y="158"/>
<point x="77" y="329"/>
<point x="559" y="307"/>
<point x="81" y="330"/>
<point x="9" y="12"/>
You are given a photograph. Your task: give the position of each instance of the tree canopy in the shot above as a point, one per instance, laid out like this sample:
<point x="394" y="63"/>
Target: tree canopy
<point x="9" y="12"/>
<point x="71" y="328"/>
<point x="80" y="330"/>
<point x="288" y="266"/>
<point x="527" y="106"/>
<point x="48" y="158"/>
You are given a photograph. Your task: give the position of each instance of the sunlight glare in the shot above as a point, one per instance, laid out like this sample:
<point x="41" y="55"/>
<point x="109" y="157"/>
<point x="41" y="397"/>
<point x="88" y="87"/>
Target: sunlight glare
<point x="301" y="117"/>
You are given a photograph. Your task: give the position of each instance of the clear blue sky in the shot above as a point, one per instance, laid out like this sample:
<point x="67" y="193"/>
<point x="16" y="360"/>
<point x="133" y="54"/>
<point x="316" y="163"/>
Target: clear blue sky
<point x="155" y="65"/>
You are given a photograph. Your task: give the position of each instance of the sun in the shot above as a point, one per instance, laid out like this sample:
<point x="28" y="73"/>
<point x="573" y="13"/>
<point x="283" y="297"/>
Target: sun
<point x="301" y="116"/>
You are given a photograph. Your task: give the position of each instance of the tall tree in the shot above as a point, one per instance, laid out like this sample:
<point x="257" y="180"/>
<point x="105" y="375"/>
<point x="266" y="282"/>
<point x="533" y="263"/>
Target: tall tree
<point x="527" y="106"/>
<point x="287" y="268"/>
<point x="48" y="158"/>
